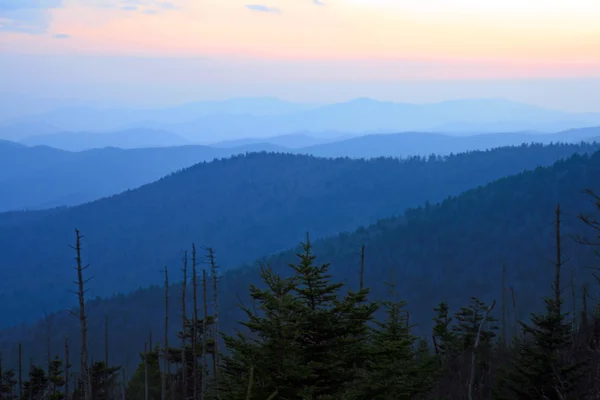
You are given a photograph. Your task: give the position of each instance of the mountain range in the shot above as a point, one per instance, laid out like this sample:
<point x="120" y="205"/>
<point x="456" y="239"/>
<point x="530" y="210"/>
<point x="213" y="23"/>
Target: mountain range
<point x="245" y="207"/>
<point x="436" y="252"/>
<point x="207" y="122"/>
<point x="41" y="177"/>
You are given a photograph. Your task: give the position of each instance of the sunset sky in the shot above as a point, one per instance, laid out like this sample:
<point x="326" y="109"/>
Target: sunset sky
<point x="156" y="52"/>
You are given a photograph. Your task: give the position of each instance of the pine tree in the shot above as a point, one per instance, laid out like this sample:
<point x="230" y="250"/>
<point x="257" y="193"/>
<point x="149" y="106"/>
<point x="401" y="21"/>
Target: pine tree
<point x="444" y="338"/>
<point x="36" y="387"/>
<point x="135" y="388"/>
<point x="307" y="338"/>
<point x="9" y="385"/>
<point x="398" y="367"/>
<point x="56" y="378"/>
<point x="270" y="356"/>
<point x="540" y="368"/>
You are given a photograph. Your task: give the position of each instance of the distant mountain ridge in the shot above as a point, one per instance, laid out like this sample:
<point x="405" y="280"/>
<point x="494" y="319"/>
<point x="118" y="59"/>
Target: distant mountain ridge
<point x="205" y="122"/>
<point x="127" y="139"/>
<point x="44" y="177"/>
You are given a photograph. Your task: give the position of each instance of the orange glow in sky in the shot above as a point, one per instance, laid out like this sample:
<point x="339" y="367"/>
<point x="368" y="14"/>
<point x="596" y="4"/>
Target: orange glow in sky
<point x="281" y="41"/>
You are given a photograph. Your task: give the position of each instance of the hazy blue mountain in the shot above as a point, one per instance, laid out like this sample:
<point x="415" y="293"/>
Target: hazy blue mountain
<point x="18" y="130"/>
<point x="7" y="144"/>
<point x="93" y="119"/>
<point x="245" y="206"/>
<point x="366" y="115"/>
<point x="425" y="143"/>
<point x="127" y="139"/>
<point x="41" y="177"/>
<point x="290" y="141"/>
<point x="209" y="122"/>
<point x="18" y="161"/>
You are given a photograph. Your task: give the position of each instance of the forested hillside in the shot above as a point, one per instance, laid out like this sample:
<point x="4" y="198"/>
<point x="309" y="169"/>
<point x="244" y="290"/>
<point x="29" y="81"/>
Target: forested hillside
<point x="245" y="207"/>
<point x="43" y="177"/>
<point x="439" y="252"/>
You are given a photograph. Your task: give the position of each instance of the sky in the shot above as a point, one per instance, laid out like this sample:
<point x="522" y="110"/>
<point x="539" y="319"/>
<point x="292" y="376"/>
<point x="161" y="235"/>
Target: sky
<point x="154" y="52"/>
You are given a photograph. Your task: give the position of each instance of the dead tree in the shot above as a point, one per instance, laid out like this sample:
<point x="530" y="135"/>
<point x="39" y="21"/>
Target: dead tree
<point x="195" y="324"/>
<point x="559" y="263"/>
<point x="48" y="323"/>
<point x="475" y="347"/>
<point x="81" y="315"/>
<point x="184" y="328"/>
<point x="204" y="332"/>
<point x="166" y="348"/>
<point x="515" y="311"/>
<point x="214" y="270"/>
<point x="67" y="396"/>
<point x="503" y="299"/>
<point x="362" y="266"/>
<point x="106" y="340"/>
<point x="20" y="371"/>
<point x="146" y="370"/>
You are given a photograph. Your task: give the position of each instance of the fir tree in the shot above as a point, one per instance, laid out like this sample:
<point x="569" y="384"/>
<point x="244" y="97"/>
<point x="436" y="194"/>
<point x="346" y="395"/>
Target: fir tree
<point x="397" y="368"/>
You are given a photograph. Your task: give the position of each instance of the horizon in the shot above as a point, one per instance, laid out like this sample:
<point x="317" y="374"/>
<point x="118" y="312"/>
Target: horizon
<point x="150" y="53"/>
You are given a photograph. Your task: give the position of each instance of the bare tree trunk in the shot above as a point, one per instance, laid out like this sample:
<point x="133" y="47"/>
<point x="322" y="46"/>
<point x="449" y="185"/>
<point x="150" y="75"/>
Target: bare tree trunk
<point x="584" y="312"/>
<point x="184" y="329"/>
<point x="214" y="269"/>
<point x="67" y="395"/>
<point x="20" y="371"/>
<point x="362" y="266"/>
<point x="195" y="324"/>
<point x="166" y="349"/>
<point x="106" y="340"/>
<point x="515" y="311"/>
<point x="503" y="306"/>
<point x="48" y="341"/>
<point x="475" y="347"/>
<point x="204" y="333"/>
<point x="559" y="263"/>
<point x="574" y="303"/>
<point x="82" y="317"/>
<point x="146" y="370"/>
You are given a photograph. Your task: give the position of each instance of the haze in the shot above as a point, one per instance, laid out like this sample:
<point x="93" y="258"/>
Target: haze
<point x="147" y="53"/>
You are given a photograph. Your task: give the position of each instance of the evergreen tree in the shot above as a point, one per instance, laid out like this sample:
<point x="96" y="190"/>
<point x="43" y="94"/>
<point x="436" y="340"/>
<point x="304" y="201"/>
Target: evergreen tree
<point x="540" y="370"/>
<point x="397" y="368"/>
<point x="56" y="378"/>
<point x="9" y="384"/>
<point x="306" y="341"/>
<point x="37" y="385"/>
<point x="443" y="335"/>
<point x="136" y="387"/>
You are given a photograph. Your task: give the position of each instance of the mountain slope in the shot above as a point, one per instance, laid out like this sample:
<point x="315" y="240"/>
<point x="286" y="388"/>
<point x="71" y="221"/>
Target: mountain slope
<point x="244" y="207"/>
<point x="425" y="143"/>
<point x="41" y="177"/>
<point x="127" y="139"/>
<point x="449" y="251"/>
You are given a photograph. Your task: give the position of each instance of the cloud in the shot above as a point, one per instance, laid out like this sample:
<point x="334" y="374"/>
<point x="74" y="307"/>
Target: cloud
<point x="167" y="6"/>
<point x="262" y="8"/>
<point x="318" y="3"/>
<point x="12" y="5"/>
<point x="61" y="36"/>
<point x="129" y="8"/>
<point x="26" y="16"/>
